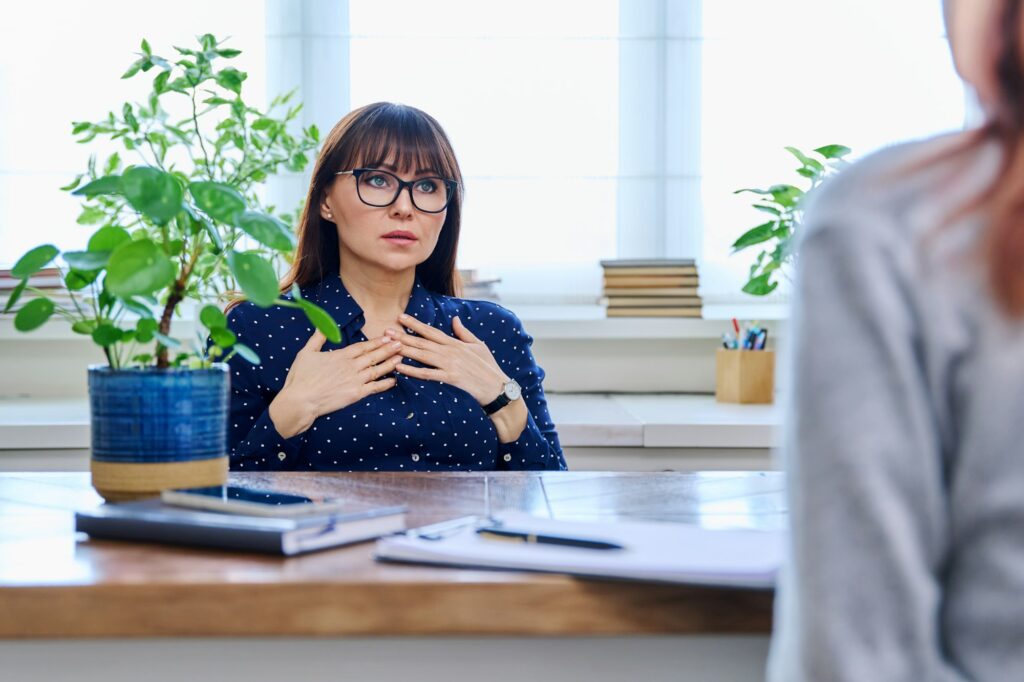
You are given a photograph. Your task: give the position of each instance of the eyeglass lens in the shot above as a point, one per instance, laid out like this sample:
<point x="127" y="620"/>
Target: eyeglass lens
<point x="380" y="188"/>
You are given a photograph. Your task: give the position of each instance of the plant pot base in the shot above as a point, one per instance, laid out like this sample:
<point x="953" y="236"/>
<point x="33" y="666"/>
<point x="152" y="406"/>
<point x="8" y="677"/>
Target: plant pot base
<point x="124" y="482"/>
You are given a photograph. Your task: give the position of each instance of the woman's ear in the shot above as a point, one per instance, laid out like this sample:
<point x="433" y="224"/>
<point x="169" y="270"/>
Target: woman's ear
<point x="326" y="212"/>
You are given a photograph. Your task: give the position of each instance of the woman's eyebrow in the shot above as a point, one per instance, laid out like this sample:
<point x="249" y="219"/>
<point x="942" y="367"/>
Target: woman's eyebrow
<point x="421" y="171"/>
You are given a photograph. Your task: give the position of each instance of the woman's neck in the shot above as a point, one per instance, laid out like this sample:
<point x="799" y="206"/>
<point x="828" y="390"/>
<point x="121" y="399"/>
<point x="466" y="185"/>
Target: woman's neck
<point x="382" y="294"/>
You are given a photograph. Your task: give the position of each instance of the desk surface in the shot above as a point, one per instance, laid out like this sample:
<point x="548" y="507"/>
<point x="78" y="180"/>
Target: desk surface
<point x="54" y="583"/>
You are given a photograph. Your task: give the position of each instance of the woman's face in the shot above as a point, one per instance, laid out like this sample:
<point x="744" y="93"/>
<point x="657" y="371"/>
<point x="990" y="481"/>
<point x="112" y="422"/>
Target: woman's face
<point x="972" y="27"/>
<point x="396" y="237"/>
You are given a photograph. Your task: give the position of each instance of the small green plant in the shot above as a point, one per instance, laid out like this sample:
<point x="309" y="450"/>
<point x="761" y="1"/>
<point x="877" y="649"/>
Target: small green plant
<point x="182" y="222"/>
<point x="782" y="204"/>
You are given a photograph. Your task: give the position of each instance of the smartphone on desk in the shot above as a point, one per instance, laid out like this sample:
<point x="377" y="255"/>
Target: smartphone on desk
<point x="233" y="499"/>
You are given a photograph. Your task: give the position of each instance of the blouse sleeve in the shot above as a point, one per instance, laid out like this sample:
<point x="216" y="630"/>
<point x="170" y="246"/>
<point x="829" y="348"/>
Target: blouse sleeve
<point x="537" y="447"/>
<point x="254" y="441"/>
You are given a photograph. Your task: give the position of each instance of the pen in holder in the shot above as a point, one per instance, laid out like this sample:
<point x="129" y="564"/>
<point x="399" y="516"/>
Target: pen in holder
<point x="744" y="376"/>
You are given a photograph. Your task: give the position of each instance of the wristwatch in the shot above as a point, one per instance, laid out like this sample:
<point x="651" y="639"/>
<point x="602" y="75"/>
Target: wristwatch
<point x="510" y="391"/>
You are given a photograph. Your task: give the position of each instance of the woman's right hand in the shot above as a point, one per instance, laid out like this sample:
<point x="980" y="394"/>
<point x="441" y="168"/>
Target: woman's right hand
<point x="320" y="383"/>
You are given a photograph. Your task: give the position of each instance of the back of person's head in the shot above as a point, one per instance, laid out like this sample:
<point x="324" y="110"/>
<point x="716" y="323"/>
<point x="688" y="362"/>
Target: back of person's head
<point x="371" y="136"/>
<point x="987" y="39"/>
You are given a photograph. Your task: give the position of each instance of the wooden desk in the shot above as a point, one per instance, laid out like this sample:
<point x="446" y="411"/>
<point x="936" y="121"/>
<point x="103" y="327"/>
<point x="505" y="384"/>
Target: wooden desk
<point x="54" y="584"/>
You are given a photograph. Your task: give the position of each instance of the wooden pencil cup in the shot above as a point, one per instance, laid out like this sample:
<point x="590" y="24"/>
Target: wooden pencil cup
<point x="744" y="376"/>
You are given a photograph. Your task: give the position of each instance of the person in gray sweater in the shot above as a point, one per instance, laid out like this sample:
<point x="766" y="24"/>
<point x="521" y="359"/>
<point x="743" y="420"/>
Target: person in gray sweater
<point x="904" y="423"/>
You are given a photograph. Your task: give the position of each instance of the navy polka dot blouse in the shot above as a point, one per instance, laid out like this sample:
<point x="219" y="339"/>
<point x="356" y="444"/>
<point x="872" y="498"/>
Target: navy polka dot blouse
<point x="415" y="426"/>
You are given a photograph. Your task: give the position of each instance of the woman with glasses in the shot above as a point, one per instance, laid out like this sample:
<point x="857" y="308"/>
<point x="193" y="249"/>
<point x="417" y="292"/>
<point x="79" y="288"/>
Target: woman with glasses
<point x="422" y="380"/>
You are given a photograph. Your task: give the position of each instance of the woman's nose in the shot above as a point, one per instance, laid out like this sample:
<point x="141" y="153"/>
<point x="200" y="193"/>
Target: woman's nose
<point x="403" y="204"/>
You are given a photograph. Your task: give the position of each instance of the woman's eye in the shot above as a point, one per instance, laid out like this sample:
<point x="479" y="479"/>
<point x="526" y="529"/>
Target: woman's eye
<point x="377" y="180"/>
<point x="426" y="186"/>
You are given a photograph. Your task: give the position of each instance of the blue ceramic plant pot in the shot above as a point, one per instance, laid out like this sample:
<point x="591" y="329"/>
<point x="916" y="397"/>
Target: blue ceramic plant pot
<point x="154" y="429"/>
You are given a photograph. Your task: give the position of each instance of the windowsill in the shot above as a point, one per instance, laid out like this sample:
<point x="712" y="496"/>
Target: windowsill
<point x="541" y="321"/>
<point x="583" y="420"/>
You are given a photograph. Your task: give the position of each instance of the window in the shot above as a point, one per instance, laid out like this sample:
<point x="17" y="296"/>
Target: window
<point x="805" y="73"/>
<point x="63" y="63"/>
<point x="528" y="93"/>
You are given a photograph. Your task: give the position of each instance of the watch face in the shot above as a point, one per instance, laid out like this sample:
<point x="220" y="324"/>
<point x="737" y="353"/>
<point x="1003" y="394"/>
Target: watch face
<point x="512" y="390"/>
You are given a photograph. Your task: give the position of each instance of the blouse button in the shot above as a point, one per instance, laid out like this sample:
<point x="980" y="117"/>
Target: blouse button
<point x="507" y="458"/>
<point x="281" y="456"/>
<point x="415" y="458"/>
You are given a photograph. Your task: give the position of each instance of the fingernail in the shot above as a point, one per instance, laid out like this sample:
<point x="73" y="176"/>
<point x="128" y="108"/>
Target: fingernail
<point x="403" y="316"/>
<point x="396" y="344"/>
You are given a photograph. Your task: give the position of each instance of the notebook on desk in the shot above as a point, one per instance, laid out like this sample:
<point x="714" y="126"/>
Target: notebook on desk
<point x="660" y="552"/>
<point x="153" y="521"/>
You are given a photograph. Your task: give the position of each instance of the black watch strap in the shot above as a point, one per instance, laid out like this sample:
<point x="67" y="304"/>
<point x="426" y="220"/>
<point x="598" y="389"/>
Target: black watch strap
<point x="498" y="403"/>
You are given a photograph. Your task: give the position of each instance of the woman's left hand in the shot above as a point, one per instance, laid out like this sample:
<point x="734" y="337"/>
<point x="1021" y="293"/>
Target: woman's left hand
<point x="463" y="361"/>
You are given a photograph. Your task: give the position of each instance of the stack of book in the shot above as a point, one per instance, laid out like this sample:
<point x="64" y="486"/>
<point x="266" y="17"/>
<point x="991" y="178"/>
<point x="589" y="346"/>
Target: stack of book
<point x="651" y="288"/>
<point x="478" y="288"/>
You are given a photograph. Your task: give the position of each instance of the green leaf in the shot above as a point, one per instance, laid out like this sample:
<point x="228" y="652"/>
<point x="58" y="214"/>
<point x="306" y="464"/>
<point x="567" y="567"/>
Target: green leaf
<point x="84" y="327"/>
<point x="266" y="230"/>
<point x="224" y="338"/>
<point x="145" y="47"/>
<point x="33" y="314"/>
<point x="228" y="53"/>
<point x="73" y="184"/>
<point x="140" y="309"/>
<point x="756" y="235"/>
<point x="108" y="238"/>
<point x="15" y="295"/>
<point x="768" y="209"/>
<point x="76" y="280"/>
<point x="231" y="79"/>
<point x="160" y="82"/>
<point x="833" y="151"/>
<point x="166" y="341"/>
<point x="91" y="215"/>
<point x="87" y="260"/>
<point x="138" y="267"/>
<point x="213" y="318"/>
<point x="806" y="172"/>
<point x="208" y="41"/>
<point x="762" y="192"/>
<point x="220" y="201"/>
<point x="322" y="321"/>
<point x="145" y="330"/>
<point x="256" y="277"/>
<point x="786" y="195"/>
<point x="106" y="334"/>
<point x="247" y="353"/>
<point x="263" y="124"/>
<point x="134" y="68"/>
<point x="152" y="192"/>
<point x="760" y="286"/>
<point x="112" y="163"/>
<point x="108" y="184"/>
<point x="34" y="261"/>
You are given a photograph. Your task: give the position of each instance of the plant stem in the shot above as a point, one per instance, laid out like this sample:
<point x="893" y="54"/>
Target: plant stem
<point x="199" y="135"/>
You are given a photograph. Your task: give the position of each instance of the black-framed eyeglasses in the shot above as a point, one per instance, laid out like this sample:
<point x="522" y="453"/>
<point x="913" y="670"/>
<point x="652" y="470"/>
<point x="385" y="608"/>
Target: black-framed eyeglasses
<point x="380" y="188"/>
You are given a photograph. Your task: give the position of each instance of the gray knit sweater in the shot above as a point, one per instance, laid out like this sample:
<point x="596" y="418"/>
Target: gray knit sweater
<point x="903" y="438"/>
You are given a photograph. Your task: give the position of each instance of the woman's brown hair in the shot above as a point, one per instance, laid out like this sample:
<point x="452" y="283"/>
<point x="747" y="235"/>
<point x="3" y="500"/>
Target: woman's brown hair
<point x="1002" y="202"/>
<point x="368" y="137"/>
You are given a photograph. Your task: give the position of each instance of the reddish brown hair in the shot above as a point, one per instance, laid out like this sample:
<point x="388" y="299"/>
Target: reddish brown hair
<point x="368" y="137"/>
<point x="1002" y="203"/>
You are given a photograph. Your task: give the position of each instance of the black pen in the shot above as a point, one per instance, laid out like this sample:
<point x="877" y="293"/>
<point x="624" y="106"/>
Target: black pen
<point x="537" y="538"/>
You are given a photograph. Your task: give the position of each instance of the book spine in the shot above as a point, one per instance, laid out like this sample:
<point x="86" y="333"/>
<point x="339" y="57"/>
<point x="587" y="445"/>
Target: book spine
<point x="181" y="534"/>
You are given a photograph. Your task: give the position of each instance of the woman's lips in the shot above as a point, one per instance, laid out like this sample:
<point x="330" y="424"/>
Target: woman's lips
<point x="400" y="238"/>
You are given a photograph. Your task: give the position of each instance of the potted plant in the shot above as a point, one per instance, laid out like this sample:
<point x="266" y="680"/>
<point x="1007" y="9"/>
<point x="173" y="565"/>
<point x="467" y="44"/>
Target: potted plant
<point x="179" y="226"/>
<point x="782" y="203"/>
